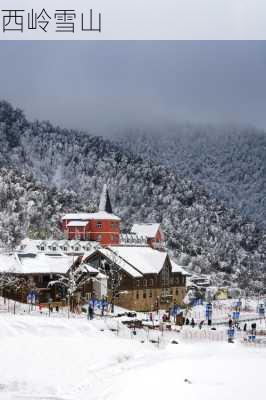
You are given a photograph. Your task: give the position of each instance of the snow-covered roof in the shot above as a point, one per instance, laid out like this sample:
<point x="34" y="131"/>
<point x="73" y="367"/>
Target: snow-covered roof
<point x="144" y="259"/>
<point x="88" y="216"/>
<point x="32" y="246"/>
<point x="146" y="230"/>
<point x="77" y="223"/>
<point x="136" y="260"/>
<point x="90" y="269"/>
<point x="8" y="263"/>
<point x="40" y="263"/>
<point x="43" y="263"/>
<point x="178" y="268"/>
<point x="112" y="255"/>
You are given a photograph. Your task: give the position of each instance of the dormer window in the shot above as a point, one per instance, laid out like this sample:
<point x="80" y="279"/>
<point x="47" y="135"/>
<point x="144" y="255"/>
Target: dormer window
<point x="99" y="224"/>
<point x="54" y="248"/>
<point x="42" y="248"/>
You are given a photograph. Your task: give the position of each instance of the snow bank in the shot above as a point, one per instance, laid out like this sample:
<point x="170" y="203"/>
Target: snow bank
<point x="60" y="359"/>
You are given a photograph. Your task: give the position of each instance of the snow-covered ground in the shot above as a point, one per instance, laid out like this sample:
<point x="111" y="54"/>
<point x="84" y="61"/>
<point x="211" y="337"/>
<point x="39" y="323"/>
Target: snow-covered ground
<point x="74" y="359"/>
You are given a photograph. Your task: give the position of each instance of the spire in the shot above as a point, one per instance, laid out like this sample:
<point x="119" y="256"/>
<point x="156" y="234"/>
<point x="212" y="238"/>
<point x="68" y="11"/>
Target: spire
<point x="105" y="202"/>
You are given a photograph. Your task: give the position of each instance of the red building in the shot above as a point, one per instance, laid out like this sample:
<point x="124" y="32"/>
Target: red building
<point x="152" y="232"/>
<point x="102" y="226"/>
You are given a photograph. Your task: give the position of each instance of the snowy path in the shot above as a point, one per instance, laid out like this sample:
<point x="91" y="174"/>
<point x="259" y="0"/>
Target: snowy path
<point x="58" y="359"/>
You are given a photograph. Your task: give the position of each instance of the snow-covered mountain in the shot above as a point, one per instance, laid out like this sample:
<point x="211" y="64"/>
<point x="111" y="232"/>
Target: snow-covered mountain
<point x="229" y="161"/>
<point x="73" y="167"/>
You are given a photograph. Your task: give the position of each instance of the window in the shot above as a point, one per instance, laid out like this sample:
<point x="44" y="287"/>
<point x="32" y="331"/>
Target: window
<point x="42" y="248"/>
<point x="54" y="248"/>
<point x="150" y="293"/>
<point x="151" y="282"/>
<point x="176" y="292"/>
<point x="138" y="283"/>
<point x="172" y="281"/>
<point x="144" y="294"/>
<point x="76" y="248"/>
<point x="114" y="224"/>
<point x="137" y="295"/>
<point x="99" y="238"/>
<point x="177" y="280"/>
<point x="99" y="224"/>
<point x="145" y="283"/>
<point x="65" y="248"/>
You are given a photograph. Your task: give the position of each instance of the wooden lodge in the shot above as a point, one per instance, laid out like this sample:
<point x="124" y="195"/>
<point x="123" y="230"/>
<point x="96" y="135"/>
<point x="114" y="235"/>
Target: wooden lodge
<point x="149" y="278"/>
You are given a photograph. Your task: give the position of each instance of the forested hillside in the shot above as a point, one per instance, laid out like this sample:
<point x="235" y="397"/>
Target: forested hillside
<point x="29" y="208"/>
<point x="204" y="234"/>
<point x="229" y="161"/>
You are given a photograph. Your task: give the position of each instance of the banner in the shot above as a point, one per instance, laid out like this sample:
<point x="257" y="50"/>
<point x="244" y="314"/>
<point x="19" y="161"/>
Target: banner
<point x="132" y="20"/>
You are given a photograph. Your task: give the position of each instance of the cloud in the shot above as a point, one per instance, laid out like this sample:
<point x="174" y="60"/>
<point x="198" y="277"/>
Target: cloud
<point x="106" y="86"/>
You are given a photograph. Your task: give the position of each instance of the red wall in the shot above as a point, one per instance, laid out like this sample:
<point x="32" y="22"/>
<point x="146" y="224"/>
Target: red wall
<point x="158" y="238"/>
<point x="109" y="231"/>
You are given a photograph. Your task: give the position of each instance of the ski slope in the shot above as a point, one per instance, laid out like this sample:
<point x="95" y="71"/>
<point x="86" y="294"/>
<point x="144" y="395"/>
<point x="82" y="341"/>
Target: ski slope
<point x="46" y="358"/>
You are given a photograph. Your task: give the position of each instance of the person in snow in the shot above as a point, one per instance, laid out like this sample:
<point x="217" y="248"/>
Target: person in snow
<point x="245" y="327"/>
<point x="193" y="323"/>
<point x="253" y="328"/>
<point x="102" y="308"/>
<point x="187" y="321"/>
<point x="90" y="312"/>
<point x="201" y="324"/>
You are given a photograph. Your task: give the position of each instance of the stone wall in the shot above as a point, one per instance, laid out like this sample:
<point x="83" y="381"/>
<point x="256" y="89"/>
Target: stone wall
<point x="145" y="300"/>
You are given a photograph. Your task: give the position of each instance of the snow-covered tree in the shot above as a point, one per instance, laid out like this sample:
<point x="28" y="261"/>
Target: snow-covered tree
<point x="72" y="282"/>
<point x="10" y="281"/>
<point x="112" y="269"/>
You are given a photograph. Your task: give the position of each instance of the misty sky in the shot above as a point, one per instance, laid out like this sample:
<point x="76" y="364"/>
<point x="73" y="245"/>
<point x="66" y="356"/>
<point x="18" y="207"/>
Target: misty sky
<point x="106" y="86"/>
